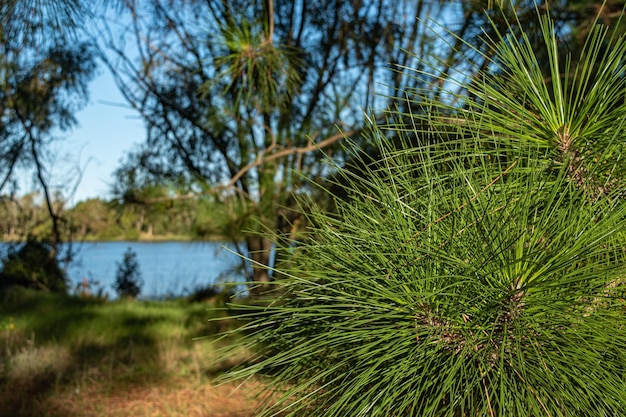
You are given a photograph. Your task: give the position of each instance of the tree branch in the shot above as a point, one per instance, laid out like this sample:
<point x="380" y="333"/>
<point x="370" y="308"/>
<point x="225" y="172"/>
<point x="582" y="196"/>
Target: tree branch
<point x="260" y="160"/>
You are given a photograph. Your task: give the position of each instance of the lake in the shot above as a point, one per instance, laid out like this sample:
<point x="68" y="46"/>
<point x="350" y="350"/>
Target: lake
<point x="167" y="268"/>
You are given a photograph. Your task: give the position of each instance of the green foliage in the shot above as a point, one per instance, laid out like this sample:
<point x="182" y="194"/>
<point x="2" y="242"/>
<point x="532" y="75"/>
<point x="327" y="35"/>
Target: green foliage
<point x="128" y="281"/>
<point x="199" y="218"/>
<point x="131" y="234"/>
<point x="32" y="266"/>
<point x="218" y="294"/>
<point x="44" y="72"/>
<point x="275" y="79"/>
<point x="574" y="109"/>
<point x="255" y="68"/>
<point x="91" y="217"/>
<point x="476" y="267"/>
<point x="25" y="216"/>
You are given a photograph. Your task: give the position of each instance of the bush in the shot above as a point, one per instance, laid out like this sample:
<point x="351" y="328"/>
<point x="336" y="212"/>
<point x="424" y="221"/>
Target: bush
<point x="475" y="269"/>
<point x="31" y="266"/>
<point x="132" y="234"/>
<point x="128" y="281"/>
<point x="216" y="294"/>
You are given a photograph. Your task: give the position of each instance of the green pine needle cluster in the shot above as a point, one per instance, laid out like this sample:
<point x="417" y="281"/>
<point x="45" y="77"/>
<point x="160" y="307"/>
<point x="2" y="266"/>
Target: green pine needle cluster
<point x="475" y="267"/>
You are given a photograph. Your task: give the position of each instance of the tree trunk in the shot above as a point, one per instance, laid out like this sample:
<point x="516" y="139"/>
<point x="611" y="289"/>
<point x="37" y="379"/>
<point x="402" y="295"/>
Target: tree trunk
<point x="260" y="250"/>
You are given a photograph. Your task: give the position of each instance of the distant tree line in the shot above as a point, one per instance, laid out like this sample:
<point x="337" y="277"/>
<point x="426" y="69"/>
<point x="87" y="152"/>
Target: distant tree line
<point x="26" y="218"/>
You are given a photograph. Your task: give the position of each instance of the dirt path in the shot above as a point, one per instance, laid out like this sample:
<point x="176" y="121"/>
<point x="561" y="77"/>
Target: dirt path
<point x="179" y="399"/>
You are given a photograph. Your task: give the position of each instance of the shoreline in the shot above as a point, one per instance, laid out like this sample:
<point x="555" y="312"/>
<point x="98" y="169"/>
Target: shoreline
<point x="140" y="239"/>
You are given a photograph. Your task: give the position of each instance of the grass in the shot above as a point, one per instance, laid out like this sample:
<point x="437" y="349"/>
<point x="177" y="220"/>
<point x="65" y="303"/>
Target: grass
<point x="71" y="356"/>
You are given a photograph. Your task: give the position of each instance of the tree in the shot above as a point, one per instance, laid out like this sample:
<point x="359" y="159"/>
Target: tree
<point x="30" y="266"/>
<point x="239" y="97"/>
<point x="27" y="217"/>
<point x="128" y="280"/>
<point x="471" y="270"/>
<point x="92" y="218"/>
<point x="149" y="200"/>
<point x="44" y="73"/>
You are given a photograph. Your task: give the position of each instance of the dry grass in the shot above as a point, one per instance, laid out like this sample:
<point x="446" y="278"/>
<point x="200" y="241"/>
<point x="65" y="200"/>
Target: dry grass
<point x="46" y="381"/>
<point x="62" y="357"/>
<point x="177" y="397"/>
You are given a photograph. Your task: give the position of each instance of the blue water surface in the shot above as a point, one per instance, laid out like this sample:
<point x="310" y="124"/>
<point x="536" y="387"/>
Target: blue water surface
<point x="167" y="268"/>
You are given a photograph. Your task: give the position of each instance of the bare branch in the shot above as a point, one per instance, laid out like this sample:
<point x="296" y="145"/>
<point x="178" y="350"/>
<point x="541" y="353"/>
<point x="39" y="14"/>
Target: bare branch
<point x="260" y="160"/>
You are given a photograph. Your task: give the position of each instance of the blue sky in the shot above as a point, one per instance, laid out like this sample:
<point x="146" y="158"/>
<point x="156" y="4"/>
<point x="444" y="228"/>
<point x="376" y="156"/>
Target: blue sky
<point x="104" y="134"/>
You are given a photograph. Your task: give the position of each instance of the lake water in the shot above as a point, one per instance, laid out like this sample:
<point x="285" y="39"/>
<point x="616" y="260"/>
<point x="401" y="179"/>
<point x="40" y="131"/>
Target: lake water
<point x="167" y="268"/>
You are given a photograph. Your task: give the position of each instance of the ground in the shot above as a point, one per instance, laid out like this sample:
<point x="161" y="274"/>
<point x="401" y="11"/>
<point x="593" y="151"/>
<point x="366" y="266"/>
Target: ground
<point x="69" y="356"/>
<point x="178" y="398"/>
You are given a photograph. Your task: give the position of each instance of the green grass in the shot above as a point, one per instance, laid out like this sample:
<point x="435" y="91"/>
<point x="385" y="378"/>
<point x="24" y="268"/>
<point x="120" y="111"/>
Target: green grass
<point x="74" y="320"/>
<point x="55" y="345"/>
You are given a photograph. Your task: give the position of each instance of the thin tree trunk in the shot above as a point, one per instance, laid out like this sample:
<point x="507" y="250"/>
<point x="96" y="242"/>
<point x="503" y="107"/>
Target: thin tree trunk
<point x="260" y="250"/>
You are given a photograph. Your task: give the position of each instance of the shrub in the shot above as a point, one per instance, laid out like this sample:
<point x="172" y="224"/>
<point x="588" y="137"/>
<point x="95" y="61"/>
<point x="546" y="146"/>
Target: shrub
<point x="219" y="294"/>
<point x="128" y="281"/>
<point x="471" y="270"/>
<point x="31" y="266"/>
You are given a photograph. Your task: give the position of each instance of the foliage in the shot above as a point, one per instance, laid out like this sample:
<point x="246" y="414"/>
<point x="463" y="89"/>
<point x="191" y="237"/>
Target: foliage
<point x="471" y="270"/>
<point x="26" y="216"/>
<point x="218" y="294"/>
<point x="128" y="281"/>
<point x="573" y="109"/>
<point x="96" y="219"/>
<point x="254" y="68"/>
<point x="238" y="96"/>
<point x="44" y="71"/>
<point x="32" y="266"/>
